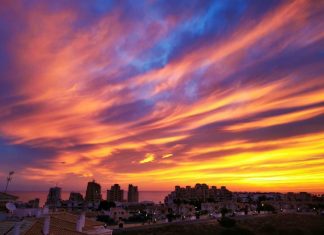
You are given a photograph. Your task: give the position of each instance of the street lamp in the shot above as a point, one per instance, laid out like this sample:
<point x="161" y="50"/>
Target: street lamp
<point x="9" y="178"/>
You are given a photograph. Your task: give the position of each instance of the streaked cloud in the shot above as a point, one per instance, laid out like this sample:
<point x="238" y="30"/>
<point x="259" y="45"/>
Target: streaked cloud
<point x="167" y="155"/>
<point x="149" y="157"/>
<point x="225" y="93"/>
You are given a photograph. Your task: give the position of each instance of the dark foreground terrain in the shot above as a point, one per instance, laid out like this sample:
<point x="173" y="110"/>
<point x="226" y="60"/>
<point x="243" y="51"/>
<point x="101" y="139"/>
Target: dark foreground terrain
<point x="286" y="224"/>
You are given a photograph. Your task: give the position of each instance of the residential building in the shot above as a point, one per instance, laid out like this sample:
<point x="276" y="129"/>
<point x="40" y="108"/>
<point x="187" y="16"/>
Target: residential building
<point x="54" y="197"/>
<point x="117" y="213"/>
<point x="93" y="193"/>
<point x="115" y="194"/>
<point x="200" y="192"/>
<point x="75" y="201"/>
<point x="132" y="193"/>
<point x="66" y="223"/>
<point x="5" y="198"/>
<point x="76" y="197"/>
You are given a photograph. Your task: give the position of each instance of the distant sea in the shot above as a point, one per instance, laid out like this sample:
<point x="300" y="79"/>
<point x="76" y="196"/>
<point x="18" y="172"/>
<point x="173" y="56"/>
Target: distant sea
<point x="155" y="196"/>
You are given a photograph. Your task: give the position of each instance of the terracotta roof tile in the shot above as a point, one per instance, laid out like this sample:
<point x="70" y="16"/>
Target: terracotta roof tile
<point x="73" y="218"/>
<point x="37" y="227"/>
<point x="62" y="223"/>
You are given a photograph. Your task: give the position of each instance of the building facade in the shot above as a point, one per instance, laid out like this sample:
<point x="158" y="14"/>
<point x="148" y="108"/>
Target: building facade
<point x="115" y="194"/>
<point x="54" y="197"/>
<point x="201" y="192"/>
<point x="132" y="193"/>
<point x="93" y="193"/>
<point x="5" y="198"/>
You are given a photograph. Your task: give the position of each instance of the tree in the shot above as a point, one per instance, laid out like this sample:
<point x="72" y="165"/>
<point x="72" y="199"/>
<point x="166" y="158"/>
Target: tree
<point x="223" y="211"/>
<point x="226" y="222"/>
<point x="105" y="205"/>
<point x="265" y="207"/>
<point x="106" y="219"/>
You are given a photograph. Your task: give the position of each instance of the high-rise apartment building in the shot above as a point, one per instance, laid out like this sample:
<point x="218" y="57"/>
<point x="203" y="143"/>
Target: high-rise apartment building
<point x="201" y="192"/>
<point x="115" y="194"/>
<point x="77" y="197"/>
<point x="93" y="193"/>
<point x="132" y="193"/>
<point x="54" y="197"/>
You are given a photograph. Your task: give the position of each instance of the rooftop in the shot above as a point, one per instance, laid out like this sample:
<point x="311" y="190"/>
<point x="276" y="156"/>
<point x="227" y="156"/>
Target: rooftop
<point x="7" y="196"/>
<point x="62" y="223"/>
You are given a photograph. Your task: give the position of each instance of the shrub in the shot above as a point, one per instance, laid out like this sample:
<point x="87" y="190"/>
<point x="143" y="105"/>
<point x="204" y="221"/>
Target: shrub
<point x="106" y="219"/>
<point x="227" y="222"/>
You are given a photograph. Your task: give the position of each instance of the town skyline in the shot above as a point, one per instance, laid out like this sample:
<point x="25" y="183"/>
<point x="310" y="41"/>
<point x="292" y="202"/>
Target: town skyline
<point x="107" y="186"/>
<point x="162" y="93"/>
<point x="201" y="204"/>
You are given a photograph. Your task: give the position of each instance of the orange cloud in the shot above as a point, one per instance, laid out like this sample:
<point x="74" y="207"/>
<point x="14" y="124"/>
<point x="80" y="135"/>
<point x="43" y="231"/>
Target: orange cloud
<point x="237" y="109"/>
<point x="149" y="157"/>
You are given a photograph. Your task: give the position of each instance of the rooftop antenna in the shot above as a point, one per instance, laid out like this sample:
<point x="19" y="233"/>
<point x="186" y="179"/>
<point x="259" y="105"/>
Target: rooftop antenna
<point x="9" y="178"/>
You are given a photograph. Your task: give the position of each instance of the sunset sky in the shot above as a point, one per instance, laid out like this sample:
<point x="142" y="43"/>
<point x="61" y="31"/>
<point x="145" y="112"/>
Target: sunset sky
<point x="162" y="93"/>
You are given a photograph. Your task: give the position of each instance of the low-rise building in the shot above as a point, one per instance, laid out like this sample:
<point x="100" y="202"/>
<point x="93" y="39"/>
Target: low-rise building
<point x="201" y="192"/>
<point x="210" y="207"/>
<point x="118" y="213"/>
<point x="5" y="198"/>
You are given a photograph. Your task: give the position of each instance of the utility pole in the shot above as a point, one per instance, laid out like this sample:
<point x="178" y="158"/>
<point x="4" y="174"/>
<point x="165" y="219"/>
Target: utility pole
<point x="9" y="178"/>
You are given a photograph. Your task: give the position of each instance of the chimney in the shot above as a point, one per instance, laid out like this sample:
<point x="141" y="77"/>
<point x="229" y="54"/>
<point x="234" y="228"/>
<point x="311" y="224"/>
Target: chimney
<point x="46" y="226"/>
<point x="38" y="213"/>
<point x="79" y="225"/>
<point x="82" y="217"/>
<point x="80" y="222"/>
<point x="45" y="210"/>
<point x="16" y="230"/>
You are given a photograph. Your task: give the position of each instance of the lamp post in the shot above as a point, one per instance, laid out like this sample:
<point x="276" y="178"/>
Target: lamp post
<point x="9" y="178"/>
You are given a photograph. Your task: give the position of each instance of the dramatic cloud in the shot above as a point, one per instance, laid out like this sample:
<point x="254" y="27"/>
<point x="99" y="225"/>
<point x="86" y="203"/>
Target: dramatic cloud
<point x="160" y="93"/>
<point x="149" y="157"/>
